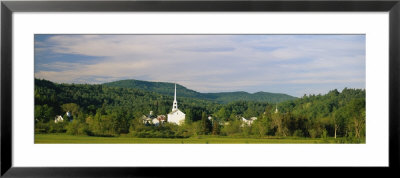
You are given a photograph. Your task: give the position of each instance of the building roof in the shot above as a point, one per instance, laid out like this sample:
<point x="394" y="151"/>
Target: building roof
<point x="174" y="111"/>
<point x="251" y="119"/>
<point x="146" y="118"/>
<point x="162" y="117"/>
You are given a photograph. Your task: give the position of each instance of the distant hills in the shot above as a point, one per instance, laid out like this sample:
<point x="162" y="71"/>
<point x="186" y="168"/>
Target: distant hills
<point x="226" y="97"/>
<point x="222" y="97"/>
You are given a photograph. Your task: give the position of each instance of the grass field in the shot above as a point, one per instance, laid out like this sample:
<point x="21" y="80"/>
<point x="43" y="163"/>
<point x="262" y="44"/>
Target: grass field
<point x="64" y="138"/>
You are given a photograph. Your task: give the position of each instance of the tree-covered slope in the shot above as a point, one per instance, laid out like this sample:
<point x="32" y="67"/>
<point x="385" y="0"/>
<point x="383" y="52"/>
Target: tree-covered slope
<point x="128" y="102"/>
<point x="158" y="87"/>
<point x="223" y="97"/>
<point x="109" y="111"/>
<point x="227" y="97"/>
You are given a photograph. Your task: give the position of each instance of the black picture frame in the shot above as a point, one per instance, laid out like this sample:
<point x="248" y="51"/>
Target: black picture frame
<point x="8" y="7"/>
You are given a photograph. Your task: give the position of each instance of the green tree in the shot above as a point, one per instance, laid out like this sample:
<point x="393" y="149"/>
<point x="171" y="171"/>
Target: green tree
<point x="222" y="113"/>
<point x="71" y="107"/>
<point x="43" y="113"/>
<point x="357" y="116"/>
<point x="77" y="127"/>
<point x="279" y="125"/>
<point x="215" y="127"/>
<point x="189" y="116"/>
<point x="260" y="127"/>
<point x="205" y="123"/>
<point x="232" y="128"/>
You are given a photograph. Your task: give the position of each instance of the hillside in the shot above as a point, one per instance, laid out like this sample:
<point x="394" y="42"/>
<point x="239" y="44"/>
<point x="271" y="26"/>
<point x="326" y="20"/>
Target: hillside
<point x="100" y="110"/>
<point x="227" y="97"/>
<point x="223" y="97"/>
<point x="124" y="101"/>
<point x="158" y="87"/>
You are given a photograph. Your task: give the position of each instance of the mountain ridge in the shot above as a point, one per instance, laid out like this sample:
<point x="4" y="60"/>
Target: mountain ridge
<point x="220" y="97"/>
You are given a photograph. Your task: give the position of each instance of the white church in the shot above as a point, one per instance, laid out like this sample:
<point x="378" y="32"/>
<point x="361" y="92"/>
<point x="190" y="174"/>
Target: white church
<point x="176" y="116"/>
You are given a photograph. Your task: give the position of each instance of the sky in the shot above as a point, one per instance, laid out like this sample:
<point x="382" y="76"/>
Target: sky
<point x="290" y="64"/>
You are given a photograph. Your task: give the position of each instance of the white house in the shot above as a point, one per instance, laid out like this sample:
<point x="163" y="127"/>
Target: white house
<point x="248" y="121"/>
<point x="176" y="116"/>
<point x="159" y="120"/>
<point x="155" y="121"/>
<point x="149" y="119"/>
<point x="58" y="119"/>
<point x="68" y="114"/>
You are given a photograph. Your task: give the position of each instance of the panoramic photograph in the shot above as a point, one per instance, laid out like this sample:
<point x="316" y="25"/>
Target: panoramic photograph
<point x="199" y="89"/>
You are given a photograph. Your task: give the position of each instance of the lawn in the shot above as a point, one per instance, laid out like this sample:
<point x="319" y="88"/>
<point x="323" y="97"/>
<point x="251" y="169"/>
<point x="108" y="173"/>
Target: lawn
<point x="64" y="138"/>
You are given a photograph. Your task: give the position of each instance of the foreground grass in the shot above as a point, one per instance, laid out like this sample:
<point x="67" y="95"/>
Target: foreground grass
<point x="64" y="138"/>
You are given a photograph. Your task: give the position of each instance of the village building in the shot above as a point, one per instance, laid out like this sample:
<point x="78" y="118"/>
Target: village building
<point x="58" y="119"/>
<point x="176" y="116"/>
<point x="155" y="121"/>
<point x="159" y="120"/>
<point x="148" y="120"/>
<point x="151" y="119"/>
<point x="69" y="116"/>
<point x="248" y="121"/>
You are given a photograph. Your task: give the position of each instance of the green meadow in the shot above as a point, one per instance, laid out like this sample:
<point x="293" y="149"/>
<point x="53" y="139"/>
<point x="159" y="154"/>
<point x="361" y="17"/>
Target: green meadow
<point x="123" y="139"/>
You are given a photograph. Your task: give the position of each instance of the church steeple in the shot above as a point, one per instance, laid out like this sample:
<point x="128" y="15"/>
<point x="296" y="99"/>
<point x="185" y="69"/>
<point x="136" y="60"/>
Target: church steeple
<point x="175" y="105"/>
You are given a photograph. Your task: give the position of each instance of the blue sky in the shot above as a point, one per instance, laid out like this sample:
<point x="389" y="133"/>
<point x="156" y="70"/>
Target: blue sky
<point x="291" y="64"/>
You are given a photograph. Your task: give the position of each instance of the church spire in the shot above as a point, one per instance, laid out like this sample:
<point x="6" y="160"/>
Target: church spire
<point x="175" y="93"/>
<point x="175" y="104"/>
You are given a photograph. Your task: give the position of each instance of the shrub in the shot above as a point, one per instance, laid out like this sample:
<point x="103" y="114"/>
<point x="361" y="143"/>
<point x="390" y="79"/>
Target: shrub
<point x="166" y="131"/>
<point x="298" y="133"/>
<point x="41" y="127"/>
<point x="324" y="134"/>
<point x="59" y="127"/>
<point x="313" y="133"/>
<point x="233" y="128"/>
<point x="78" y="128"/>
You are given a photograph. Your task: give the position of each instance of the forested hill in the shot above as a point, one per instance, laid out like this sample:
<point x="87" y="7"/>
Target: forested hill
<point x="223" y="97"/>
<point x="227" y="97"/>
<point x="91" y="98"/>
<point x="158" y="87"/>
<point x="102" y="110"/>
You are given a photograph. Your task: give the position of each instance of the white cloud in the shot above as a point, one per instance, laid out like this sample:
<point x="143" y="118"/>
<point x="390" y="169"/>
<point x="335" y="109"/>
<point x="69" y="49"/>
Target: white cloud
<point x="209" y="63"/>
